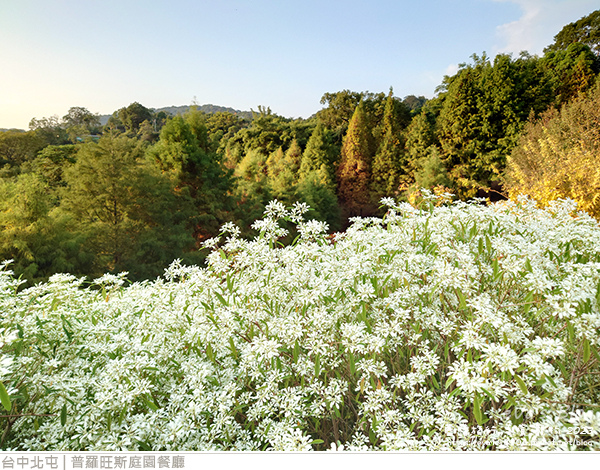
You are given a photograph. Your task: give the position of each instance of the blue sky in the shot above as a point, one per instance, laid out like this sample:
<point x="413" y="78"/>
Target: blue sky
<point x="104" y="55"/>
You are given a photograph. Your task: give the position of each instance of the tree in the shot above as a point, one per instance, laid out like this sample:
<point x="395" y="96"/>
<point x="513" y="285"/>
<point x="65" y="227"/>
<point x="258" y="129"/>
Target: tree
<point x="81" y="117"/>
<point x="79" y="123"/>
<point x="131" y="118"/>
<point x="354" y="170"/>
<point x="17" y="147"/>
<point x="389" y="167"/>
<point x="51" y="162"/>
<point x="32" y="234"/>
<point x="558" y="155"/>
<point x="252" y="189"/>
<point x="180" y="154"/>
<point x="127" y="212"/>
<point x="570" y="71"/>
<point x="431" y="171"/>
<point x="414" y="103"/>
<point x="50" y="130"/>
<point x="319" y="155"/>
<point x="315" y="190"/>
<point x="483" y="109"/>
<point x="421" y="134"/>
<point x="221" y="126"/>
<point x="341" y="106"/>
<point x="584" y="31"/>
<point x="282" y="169"/>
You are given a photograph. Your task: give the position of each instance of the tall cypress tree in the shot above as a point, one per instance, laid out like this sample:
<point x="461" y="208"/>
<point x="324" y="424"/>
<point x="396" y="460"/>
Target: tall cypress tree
<point x="179" y="154"/>
<point x="318" y="156"/>
<point x="387" y="163"/>
<point x="354" y="171"/>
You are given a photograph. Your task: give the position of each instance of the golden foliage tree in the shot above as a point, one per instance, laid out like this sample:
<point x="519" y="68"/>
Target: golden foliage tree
<point x="354" y="171"/>
<point x="559" y="155"/>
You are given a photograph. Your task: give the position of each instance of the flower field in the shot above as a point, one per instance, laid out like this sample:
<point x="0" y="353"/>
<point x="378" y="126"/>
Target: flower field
<point x="449" y="327"/>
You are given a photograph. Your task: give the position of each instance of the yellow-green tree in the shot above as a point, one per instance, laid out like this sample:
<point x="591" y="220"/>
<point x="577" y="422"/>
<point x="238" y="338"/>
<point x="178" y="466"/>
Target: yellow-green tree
<point x="354" y="171"/>
<point x="559" y="156"/>
<point x="389" y="167"/>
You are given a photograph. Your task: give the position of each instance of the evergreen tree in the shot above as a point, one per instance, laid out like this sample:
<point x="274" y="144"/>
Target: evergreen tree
<point x="389" y="167"/>
<point x="354" y="171"/>
<point x="282" y="169"/>
<point x="51" y="162"/>
<point x="420" y="135"/>
<point x="319" y="156"/>
<point x="315" y="190"/>
<point x="570" y="71"/>
<point x="126" y="211"/>
<point x="179" y="154"/>
<point x="252" y="190"/>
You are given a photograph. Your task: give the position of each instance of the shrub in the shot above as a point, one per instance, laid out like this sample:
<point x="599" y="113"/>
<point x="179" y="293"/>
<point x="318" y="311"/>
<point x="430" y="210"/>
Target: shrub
<point x="453" y="327"/>
<point x="559" y="156"/>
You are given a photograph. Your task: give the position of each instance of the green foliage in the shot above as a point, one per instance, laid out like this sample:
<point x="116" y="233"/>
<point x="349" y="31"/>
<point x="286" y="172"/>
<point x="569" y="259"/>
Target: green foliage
<point x="584" y="31"/>
<point x="32" y="234"/>
<point x="282" y="170"/>
<point x="315" y="189"/>
<point x="483" y="109"/>
<point x="79" y="123"/>
<point x="183" y="153"/>
<point x="431" y="171"/>
<point x="319" y="155"/>
<point x="390" y="168"/>
<point x="18" y="147"/>
<point x="126" y="211"/>
<point x="51" y="162"/>
<point x="571" y="71"/>
<point x="221" y="127"/>
<point x="336" y="116"/>
<point x="252" y="189"/>
<point x="50" y="130"/>
<point x="132" y="117"/>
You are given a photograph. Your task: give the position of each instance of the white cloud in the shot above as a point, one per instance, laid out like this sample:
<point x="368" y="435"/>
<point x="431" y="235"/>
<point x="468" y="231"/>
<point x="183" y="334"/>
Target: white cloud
<point x="540" y="21"/>
<point x="451" y="70"/>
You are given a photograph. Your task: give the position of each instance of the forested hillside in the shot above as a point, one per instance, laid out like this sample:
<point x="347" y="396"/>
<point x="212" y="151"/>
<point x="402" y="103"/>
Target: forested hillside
<point x="150" y="186"/>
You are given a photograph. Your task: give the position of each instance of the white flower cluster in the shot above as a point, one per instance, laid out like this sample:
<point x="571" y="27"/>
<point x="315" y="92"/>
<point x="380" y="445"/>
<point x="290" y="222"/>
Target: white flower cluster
<point x="451" y="327"/>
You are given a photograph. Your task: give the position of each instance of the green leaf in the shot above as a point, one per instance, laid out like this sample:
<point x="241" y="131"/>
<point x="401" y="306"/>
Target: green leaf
<point x="351" y="362"/>
<point x="522" y="385"/>
<point x="143" y="445"/>
<point x="4" y="398"/>
<point x="477" y="410"/>
<point x="462" y="301"/>
<point x="221" y="299"/>
<point x="372" y="437"/>
<point x="149" y="404"/>
<point x="63" y="415"/>
<point x="317" y="366"/>
<point x="586" y="350"/>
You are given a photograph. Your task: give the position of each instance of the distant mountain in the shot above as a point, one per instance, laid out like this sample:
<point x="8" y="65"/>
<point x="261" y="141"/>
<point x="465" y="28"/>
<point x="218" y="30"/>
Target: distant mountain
<point x="178" y="110"/>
